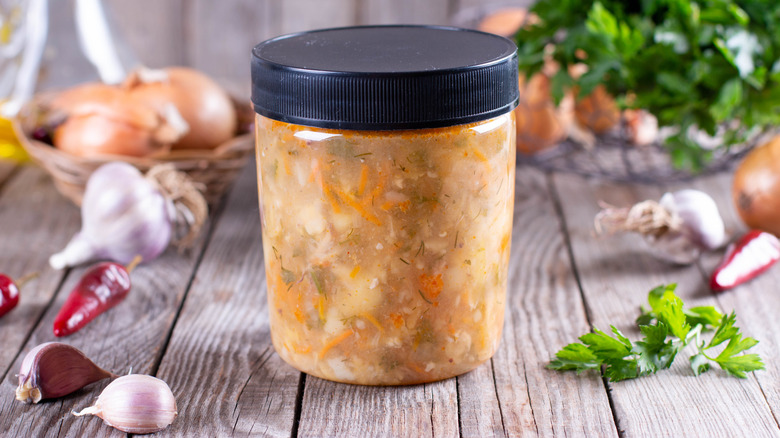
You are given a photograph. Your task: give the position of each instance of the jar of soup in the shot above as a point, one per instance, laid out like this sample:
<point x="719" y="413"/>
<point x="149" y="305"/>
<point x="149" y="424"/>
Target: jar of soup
<point x="386" y="164"/>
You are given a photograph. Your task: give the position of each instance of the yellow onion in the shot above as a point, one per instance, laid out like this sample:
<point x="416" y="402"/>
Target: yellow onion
<point x="202" y="103"/>
<point x="756" y="187"/>
<point x="538" y="124"/>
<point x="597" y="111"/>
<point x="102" y="119"/>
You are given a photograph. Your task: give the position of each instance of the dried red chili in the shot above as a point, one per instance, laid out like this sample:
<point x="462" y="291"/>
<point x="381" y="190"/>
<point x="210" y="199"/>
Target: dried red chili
<point x="753" y="254"/>
<point x="102" y="287"/>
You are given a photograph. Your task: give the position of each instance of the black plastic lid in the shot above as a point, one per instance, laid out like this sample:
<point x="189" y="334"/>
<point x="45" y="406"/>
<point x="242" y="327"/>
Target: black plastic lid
<point x="384" y="77"/>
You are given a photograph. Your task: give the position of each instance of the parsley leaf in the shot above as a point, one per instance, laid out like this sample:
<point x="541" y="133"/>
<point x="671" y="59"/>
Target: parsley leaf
<point x="577" y="357"/>
<point x="738" y="365"/>
<point x="667" y="328"/>
<point x="700" y="65"/>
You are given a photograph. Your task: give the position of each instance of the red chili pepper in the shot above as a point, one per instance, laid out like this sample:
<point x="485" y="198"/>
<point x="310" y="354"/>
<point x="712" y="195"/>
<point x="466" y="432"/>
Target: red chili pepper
<point x="753" y="254"/>
<point x="102" y="287"/>
<point x="9" y="294"/>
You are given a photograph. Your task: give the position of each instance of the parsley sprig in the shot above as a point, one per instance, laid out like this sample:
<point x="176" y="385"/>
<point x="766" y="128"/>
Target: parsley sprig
<point x="667" y="328"/>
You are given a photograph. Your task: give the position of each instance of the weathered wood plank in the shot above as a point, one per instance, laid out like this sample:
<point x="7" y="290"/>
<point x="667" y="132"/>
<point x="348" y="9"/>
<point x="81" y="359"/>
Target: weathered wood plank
<point x="220" y="363"/>
<point x="300" y="15"/>
<point x="615" y="274"/>
<point x="335" y="409"/>
<point x="755" y="303"/>
<point x="403" y="12"/>
<point x="219" y="36"/>
<point x="130" y="335"/>
<point x="28" y="205"/>
<point x="544" y="311"/>
<point x="152" y="29"/>
<point x="6" y="169"/>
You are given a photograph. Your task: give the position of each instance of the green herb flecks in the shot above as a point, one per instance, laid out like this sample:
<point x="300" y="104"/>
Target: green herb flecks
<point x="667" y="328"/>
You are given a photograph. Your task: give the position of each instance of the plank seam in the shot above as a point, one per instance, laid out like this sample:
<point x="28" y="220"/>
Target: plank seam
<point x="457" y="394"/>
<point x="498" y="399"/>
<point x="45" y="309"/>
<point x="207" y="240"/>
<point x="298" y="406"/>
<point x="556" y="200"/>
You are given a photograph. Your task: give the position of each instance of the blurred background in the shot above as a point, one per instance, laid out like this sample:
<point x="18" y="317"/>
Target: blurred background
<point x="216" y="36"/>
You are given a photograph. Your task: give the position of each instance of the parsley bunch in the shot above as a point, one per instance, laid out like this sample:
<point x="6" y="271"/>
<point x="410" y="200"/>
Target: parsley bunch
<point x="706" y="64"/>
<point x="667" y="328"/>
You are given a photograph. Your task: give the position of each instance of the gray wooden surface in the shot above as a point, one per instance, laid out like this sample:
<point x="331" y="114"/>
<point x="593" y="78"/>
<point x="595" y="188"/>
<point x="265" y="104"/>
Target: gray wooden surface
<point x="199" y="321"/>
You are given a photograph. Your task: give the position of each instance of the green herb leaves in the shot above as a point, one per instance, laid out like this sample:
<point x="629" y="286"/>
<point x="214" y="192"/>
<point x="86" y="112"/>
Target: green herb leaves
<point x="666" y="328"/>
<point x="694" y="65"/>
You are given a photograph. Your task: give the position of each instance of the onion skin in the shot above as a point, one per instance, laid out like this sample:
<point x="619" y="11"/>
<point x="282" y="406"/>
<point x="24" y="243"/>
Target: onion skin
<point x="538" y="126"/>
<point x="105" y="120"/>
<point x="756" y="188"/>
<point x="597" y="111"/>
<point x="93" y="135"/>
<point x="203" y="104"/>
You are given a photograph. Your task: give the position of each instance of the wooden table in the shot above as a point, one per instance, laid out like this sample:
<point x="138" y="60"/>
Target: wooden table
<point x="199" y="321"/>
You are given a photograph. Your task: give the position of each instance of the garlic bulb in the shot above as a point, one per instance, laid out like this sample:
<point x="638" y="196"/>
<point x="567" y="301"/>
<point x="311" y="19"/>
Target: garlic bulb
<point x="135" y="403"/>
<point x="677" y="228"/>
<point x="125" y="214"/>
<point x="53" y="370"/>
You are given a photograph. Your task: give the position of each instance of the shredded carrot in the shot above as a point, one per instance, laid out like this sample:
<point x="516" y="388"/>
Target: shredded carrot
<point x="363" y="179"/>
<point x="432" y="285"/>
<point x="367" y="215"/>
<point x="396" y="319"/>
<point x="286" y="164"/>
<point x="370" y="318"/>
<point x="320" y="306"/>
<point x="302" y="350"/>
<point x="335" y="341"/>
<point x="354" y="272"/>
<point x="298" y="314"/>
<point x="331" y="198"/>
<point x="481" y="157"/>
<point x="504" y="242"/>
<point x="416" y="368"/>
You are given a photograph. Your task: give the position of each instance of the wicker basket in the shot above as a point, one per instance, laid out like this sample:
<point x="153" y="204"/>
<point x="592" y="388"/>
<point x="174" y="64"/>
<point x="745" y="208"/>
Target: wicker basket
<point x="214" y="169"/>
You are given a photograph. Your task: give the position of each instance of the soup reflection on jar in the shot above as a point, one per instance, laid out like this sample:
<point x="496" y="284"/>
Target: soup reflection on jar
<point x="386" y="215"/>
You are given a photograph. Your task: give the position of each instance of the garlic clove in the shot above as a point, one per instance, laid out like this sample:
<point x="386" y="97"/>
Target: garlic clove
<point x="53" y="370"/>
<point x="135" y="403"/>
<point x="701" y="219"/>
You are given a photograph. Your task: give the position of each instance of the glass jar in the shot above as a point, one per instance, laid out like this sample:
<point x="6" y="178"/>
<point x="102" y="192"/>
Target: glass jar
<point x="386" y="162"/>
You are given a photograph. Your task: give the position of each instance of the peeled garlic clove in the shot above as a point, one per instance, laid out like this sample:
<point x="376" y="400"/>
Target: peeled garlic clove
<point x="701" y="220"/>
<point x="53" y="370"/>
<point x="135" y="403"/>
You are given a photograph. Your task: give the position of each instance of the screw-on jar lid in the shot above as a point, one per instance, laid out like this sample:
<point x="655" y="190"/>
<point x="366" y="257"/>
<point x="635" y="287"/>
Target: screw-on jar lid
<point x="384" y="77"/>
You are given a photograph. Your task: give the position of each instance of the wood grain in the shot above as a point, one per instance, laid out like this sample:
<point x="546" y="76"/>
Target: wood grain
<point x="131" y="335"/>
<point x="152" y="29"/>
<point x="755" y="303"/>
<point x="403" y="12"/>
<point x="336" y="409"/>
<point x="219" y="36"/>
<point x="220" y="363"/>
<point x="544" y="312"/>
<point x="28" y="205"/>
<point x="615" y="274"/>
